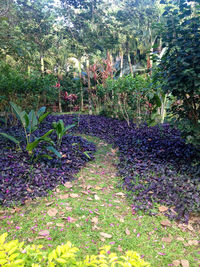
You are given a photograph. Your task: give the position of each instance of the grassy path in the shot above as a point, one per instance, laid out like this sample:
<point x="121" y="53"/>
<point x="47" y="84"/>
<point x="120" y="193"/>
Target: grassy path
<point x="92" y="211"/>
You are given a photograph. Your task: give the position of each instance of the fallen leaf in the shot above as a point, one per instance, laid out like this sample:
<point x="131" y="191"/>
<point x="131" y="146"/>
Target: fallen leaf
<point x="106" y="235"/>
<point x="88" y="187"/>
<point x="52" y="212"/>
<point x="176" y="263"/>
<point x="60" y="224"/>
<point x="68" y="185"/>
<point x="127" y="231"/>
<point x="185" y="263"/>
<point x="44" y="233"/>
<point x="95" y="220"/>
<point x="71" y="219"/>
<point x="121" y="219"/>
<point x="96" y="197"/>
<point x="84" y="192"/>
<point x="190" y="227"/>
<point x="193" y="243"/>
<point x="73" y="195"/>
<point x="95" y="227"/>
<point x="120" y="194"/>
<point x="64" y="196"/>
<point x="119" y="248"/>
<point x="68" y="208"/>
<point x="98" y="188"/>
<point x="49" y="204"/>
<point x="49" y="223"/>
<point x="166" y="223"/>
<point x="167" y="239"/>
<point x="163" y="208"/>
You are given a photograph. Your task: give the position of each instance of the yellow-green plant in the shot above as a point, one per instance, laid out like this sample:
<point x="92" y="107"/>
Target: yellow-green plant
<point x="15" y="254"/>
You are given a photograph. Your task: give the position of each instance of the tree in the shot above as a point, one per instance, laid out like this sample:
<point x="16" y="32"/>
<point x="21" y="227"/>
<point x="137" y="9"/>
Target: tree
<point x="179" y="66"/>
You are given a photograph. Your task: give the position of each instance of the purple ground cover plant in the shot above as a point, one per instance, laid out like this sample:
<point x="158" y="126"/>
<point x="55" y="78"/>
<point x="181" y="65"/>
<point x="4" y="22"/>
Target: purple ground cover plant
<point x="21" y="178"/>
<point x="155" y="163"/>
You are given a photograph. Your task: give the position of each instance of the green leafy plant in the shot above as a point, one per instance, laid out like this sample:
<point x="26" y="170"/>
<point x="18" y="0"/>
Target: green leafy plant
<point x="179" y="66"/>
<point x="61" y="130"/>
<point x="30" y="123"/>
<point x="15" y="254"/>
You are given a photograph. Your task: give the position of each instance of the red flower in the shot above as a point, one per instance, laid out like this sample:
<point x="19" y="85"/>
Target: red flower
<point x="57" y="85"/>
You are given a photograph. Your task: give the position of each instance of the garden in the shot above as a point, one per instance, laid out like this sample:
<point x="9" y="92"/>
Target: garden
<point x="99" y="133"/>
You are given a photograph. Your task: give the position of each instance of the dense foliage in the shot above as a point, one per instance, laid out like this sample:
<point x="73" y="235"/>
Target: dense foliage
<point x="155" y="163"/>
<point x="179" y="67"/>
<point x="16" y="254"/>
<point x="23" y="178"/>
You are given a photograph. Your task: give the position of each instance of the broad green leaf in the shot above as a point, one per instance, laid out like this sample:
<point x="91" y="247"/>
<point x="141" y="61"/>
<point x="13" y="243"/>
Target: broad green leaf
<point x="52" y="149"/>
<point x="41" y="111"/>
<point x="42" y="117"/>
<point x="11" y="138"/>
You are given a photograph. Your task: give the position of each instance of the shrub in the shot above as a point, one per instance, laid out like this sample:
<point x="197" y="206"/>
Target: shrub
<point x="179" y="67"/>
<point x="14" y="253"/>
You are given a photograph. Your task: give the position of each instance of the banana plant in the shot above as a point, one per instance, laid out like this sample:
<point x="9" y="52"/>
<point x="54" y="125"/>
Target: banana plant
<point x="61" y="130"/>
<point x="30" y="123"/>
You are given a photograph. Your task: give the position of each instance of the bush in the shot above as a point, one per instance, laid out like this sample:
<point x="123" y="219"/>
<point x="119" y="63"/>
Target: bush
<point x="14" y="253"/>
<point x="179" y="67"/>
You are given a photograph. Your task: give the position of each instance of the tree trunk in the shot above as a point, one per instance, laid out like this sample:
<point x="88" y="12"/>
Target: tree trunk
<point x="130" y="65"/>
<point x="42" y="62"/>
<point x="81" y="87"/>
<point x="121" y="63"/>
<point x="89" y="87"/>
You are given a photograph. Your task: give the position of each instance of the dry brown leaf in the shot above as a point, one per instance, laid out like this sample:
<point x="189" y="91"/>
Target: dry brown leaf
<point x="167" y="239"/>
<point x="68" y="208"/>
<point x="95" y="220"/>
<point x="44" y="233"/>
<point x="84" y="192"/>
<point x="190" y="227"/>
<point x="163" y="208"/>
<point x="68" y="185"/>
<point x="166" y="223"/>
<point x="127" y="231"/>
<point x="88" y="187"/>
<point x="193" y="243"/>
<point x="185" y="263"/>
<point x="176" y="263"/>
<point x="120" y="194"/>
<point x="106" y="235"/>
<point x="64" y="196"/>
<point x="95" y="227"/>
<point x="72" y="220"/>
<point x="119" y="248"/>
<point x="60" y="224"/>
<point x="49" y="204"/>
<point x="96" y="197"/>
<point x="121" y="219"/>
<point x="52" y="212"/>
<point x="73" y="195"/>
<point x="97" y="188"/>
<point x="49" y="223"/>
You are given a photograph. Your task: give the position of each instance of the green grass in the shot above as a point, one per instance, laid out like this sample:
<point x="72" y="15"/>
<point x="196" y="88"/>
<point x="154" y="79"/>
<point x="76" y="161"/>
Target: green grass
<point x="97" y="188"/>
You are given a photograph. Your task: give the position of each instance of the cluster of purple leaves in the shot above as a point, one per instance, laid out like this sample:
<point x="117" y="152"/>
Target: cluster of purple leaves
<point x="22" y="179"/>
<point x="155" y="163"/>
